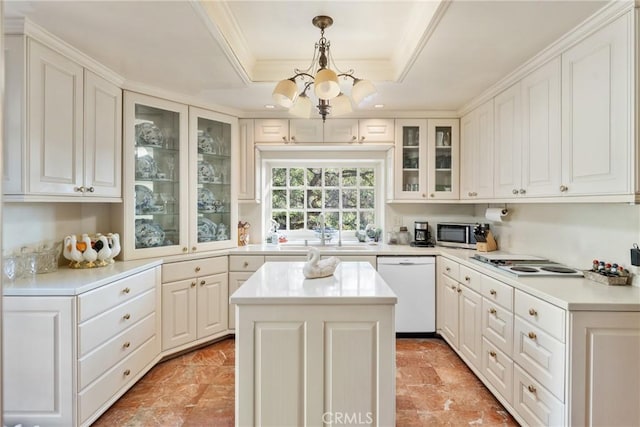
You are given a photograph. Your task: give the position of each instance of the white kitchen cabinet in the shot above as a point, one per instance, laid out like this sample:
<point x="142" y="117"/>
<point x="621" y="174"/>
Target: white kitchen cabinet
<point x="541" y="132"/>
<point x="448" y="317"/>
<point x="271" y="130"/>
<point x="596" y="112"/>
<point x="411" y="160"/>
<point x="63" y="132"/>
<point x="306" y="131"/>
<point x="241" y="267"/>
<point x="180" y="179"/>
<point x="470" y="325"/>
<point x="476" y="147"/>
<point x="508" y="143"/>
<point x="497" y="368"/>
<point x="443" y="170"/>
<point x="194" y="302"/>
<point x="249" y="164"/>
<point x="236" y="279"/>
<point x="376" y="131"/>
<point x="341" y="130"/>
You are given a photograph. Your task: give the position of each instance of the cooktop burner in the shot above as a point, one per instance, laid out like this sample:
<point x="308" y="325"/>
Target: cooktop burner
<point x="525" y="265"/>
<point x="524" y="269"/>
<point x="558" y="269"/>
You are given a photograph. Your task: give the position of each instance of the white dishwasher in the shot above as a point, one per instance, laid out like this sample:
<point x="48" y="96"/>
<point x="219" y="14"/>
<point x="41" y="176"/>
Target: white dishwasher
<point x="413" y="279"/>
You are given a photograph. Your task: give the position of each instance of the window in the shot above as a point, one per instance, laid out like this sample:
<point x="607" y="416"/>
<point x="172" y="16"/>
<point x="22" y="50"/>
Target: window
<point x="345" y="195"/>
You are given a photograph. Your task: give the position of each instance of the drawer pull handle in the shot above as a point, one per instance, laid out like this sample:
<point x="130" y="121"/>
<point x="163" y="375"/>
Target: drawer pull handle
<point x="493" y="292"/>
<point x="126" y="290"/>
<point x="197" y="269"/>
<point x="193" y="284"/>
<point x="202" y="282"/>
<point x="467" y="278"/>
<point x="448" y="269"/>
<point x="492" y="311"/>
<point x="533" y="312"/>
<point x="532" y="389"/>
<point x="492" y="354"/>
<point x="126" y="316"/>
<point x="126" y="345"/>
<point x="245" y="264"/>
<point x="127" y="373"/>
<point x="532" y="335"/>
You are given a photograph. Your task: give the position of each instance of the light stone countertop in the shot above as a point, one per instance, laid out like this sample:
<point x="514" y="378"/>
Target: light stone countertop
<point x="68" y="281"/>
<point x="284" y="283"/>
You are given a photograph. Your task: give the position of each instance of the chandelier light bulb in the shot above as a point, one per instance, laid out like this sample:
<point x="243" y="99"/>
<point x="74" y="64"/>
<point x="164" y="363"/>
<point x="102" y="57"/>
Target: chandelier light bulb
<point x="362" y="89"/>
<point x="285" y="93"/>
<point x="326" y="84"/>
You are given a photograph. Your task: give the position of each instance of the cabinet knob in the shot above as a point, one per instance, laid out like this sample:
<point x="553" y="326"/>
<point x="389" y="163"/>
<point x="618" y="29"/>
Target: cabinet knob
<point x="126" y="290"/>
<point x="284" y="138"/>
<point x="354" y="138"/>
<point x="532" y="335"/>
<point x="424" y="195"/>
<point x="91" y="189"/>
<point x="432" y="195"/>
<point x="492" y="354"/>
<point x="467" y="278"/>
<point x="127" y="373"/>
<point x="493" y="292"/>
<point x="470" y="194"/>
<point x="532" y="389"/>
<point x="454" y="287"/>
<point x="523" y="191"/>
<point x="79" y="189"/>
<point x="197" y="269"/>
<point x="459" y="290"/>
<point x="564" y="188"/>
<point x="202" y="282"/>
<point x="533" y="312"/>
<point x="448" y="269"/>
<point x="193" y="284"/>
<point x="475" y="194"/>
<point x="362" y="139"/>
<point x="492" y="311"/>
<point x="126" y="345"/>
<point x="126" y="316"/>
<point x="245" y="264"/>
<point x="185" y="249"/>
<point x="293" y="139"/>
<point x="194" y="248"/>
<point x="514" y="191"/>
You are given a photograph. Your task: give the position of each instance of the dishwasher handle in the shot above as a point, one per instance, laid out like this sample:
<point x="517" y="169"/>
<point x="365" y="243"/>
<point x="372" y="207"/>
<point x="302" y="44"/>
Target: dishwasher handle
<point x="406" y="263"/>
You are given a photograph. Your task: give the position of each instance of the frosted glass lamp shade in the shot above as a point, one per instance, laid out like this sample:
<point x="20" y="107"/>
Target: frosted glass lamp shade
<point x="362" y="89"/>
<point x="340" y="105"/>
<point x="285" y="93"/>
<point x="302" y="107"/>
<point x="326" y="84"/>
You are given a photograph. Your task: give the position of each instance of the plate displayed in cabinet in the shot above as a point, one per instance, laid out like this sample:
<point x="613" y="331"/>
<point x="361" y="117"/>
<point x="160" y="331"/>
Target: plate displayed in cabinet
<point x="206" y="200"/>
<point x="148" y="233"/>
<point x="146" y="167"/>
<point x="149" y="134"/>
<point x="206" y="144"/>
<point x="205" y="172"/>
<point x="144" y="199"/>
<point x="207" y="230"/>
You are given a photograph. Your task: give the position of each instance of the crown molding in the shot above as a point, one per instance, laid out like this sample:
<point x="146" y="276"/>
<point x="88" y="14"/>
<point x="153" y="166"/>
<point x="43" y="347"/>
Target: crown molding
<point x="23" y="26"/>
<point x="600" y="18"/>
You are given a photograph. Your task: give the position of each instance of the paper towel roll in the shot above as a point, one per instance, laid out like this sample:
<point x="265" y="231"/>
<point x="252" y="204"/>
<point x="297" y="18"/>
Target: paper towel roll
<point x="496" y="214"/>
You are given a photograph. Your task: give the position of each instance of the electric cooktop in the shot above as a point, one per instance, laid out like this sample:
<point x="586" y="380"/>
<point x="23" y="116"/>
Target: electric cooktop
<point x="527" y="265"/>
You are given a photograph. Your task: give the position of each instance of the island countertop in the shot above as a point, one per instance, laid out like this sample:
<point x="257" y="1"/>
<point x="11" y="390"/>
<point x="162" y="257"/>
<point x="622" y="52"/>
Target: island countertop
<point x="284" y="283"/>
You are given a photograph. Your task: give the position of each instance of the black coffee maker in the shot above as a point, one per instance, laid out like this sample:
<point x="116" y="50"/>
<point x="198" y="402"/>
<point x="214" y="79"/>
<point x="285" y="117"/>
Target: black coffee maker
<point x="421" y="236"/>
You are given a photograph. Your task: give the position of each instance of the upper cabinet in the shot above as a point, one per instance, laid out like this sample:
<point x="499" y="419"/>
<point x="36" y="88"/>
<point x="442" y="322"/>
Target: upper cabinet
<point x="341" y="130"/>
<point x="376" y="131"/>
<point x="179" y="183"/>
<point x="305" y="131"/>
<point x="248" y="163"/>
<point x="476" y="148"/>
<point x="411" y="160"/>
<point x="63" y="132"/>
<point x="596" y="112"/>
<point x="443" y="146"/>
<point x="507" y="142"/>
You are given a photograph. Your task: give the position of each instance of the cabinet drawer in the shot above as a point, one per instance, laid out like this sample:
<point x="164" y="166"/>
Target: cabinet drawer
<point x="534" y="403"/>
<point x="545" y="316"/>
<point x="497" y="368"/>
<point x="104" y="357"/>
<point x="94" y="396"/>
<point x="235" y="281"/>
<point x="102" y="299"/>
<point x="497" y="326"/>
<point x="245" y="262"/>
<point x="497" y="292"/>
<point x="449" y="268"/>
<point x="101" y="328"/>
<point x="470" y="278"/>
<point x="541" y="355"/>
<point x="199" y="267"/>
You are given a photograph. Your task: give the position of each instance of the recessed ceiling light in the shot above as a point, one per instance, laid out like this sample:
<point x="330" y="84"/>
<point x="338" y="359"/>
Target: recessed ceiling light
<point x="269" y="107"/>
<point x="378" y="106"/>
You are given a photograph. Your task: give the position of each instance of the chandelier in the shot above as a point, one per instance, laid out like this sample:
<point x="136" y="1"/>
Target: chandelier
<point x="325" y="83"/>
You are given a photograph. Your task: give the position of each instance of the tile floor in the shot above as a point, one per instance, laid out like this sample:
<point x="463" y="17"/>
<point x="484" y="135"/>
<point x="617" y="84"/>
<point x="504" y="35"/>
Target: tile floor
<point x="434" y="387"/>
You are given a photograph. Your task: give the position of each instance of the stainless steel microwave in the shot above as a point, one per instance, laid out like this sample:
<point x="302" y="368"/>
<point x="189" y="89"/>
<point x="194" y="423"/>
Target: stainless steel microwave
<point x="457" y="235"/>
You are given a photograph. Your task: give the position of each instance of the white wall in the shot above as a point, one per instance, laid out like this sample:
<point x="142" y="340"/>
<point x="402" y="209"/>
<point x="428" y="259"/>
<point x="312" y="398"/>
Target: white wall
<point x="26" y="224"/>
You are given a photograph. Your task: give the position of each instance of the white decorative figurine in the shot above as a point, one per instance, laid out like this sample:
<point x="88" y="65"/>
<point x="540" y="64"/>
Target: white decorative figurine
<point x="315" y="268"/>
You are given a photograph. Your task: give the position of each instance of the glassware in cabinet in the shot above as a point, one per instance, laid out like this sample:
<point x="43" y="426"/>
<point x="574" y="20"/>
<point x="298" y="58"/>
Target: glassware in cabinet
<point x="410" y="166"/>
<point x="443" y="170"/>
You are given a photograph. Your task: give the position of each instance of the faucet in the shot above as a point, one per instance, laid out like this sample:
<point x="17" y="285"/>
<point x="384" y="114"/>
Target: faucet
<point x="321" y="219"/>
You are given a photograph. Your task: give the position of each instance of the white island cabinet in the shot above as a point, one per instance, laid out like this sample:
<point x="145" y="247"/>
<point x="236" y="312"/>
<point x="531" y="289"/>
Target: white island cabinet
<point x="315" y="352"/>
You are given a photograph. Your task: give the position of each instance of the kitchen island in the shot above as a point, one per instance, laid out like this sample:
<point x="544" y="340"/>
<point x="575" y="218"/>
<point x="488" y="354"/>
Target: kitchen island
<point x="315" y="351"/>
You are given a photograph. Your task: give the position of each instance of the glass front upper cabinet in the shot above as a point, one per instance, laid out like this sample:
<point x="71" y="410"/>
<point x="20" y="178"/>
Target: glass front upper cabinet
<point x="443" y="155"/>
<point x="411" y="149"/>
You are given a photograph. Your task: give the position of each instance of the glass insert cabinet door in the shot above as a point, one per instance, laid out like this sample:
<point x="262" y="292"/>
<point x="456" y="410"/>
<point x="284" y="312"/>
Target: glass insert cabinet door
<point x="443" y="168"/>
<point x="156" y="198"/>
<point x="213" y="196"/>
<point x="411" y="159"/>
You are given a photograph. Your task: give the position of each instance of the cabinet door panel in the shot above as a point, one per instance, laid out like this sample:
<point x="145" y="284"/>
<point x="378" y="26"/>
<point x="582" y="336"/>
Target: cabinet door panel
<point x="102" y="137"/>
<point x="507" y="140"/>
<point x="213" y="304"/>
<point x="178" y="313"/>
<point x="470" y="340"/>
<point x="341" y="130"/>
<point x="376" y="130"/>
<point x="411" y="160"/>
<point x="449" y="309"/>
<point x="306" y="131"/>
<point x="247" y="188"/>
<point x="271" y="130"/>
<point x="235" y="281"/>
<point x="55" y="122"/>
